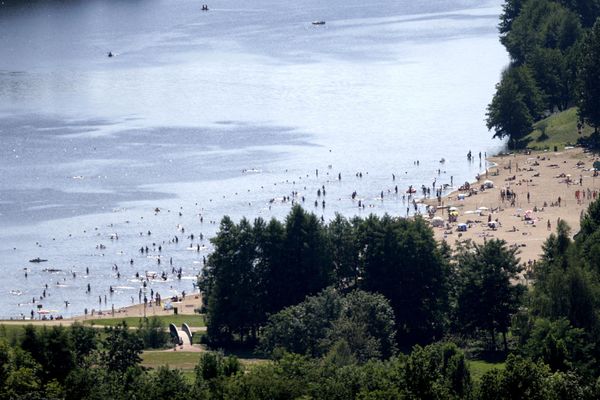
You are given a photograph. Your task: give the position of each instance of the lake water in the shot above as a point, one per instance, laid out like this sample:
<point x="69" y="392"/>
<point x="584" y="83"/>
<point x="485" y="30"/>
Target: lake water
<point x="218" y="112"/>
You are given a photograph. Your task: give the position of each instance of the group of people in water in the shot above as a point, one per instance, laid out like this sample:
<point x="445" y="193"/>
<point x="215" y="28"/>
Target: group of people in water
<point x="158" y="251"/>
<point x="145" y="279"/>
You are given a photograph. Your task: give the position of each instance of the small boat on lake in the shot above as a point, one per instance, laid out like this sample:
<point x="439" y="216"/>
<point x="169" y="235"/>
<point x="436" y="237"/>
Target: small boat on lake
<point x="37" y="260"/>
<point x="318" y="22"/>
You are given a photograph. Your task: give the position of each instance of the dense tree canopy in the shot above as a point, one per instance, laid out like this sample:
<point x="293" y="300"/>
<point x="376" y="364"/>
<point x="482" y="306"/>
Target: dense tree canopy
<point x="364" y="322"/>
<point x="401" y="260"/>
<point x="250" y="276"/>
<point x="487" y="296"/>
<point x="508" y="113"/>
<point x="589" y="78"/>
<point x="553" y="52"/>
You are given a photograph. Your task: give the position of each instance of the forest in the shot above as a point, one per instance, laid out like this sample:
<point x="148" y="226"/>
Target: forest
<point x="554" y="49"/>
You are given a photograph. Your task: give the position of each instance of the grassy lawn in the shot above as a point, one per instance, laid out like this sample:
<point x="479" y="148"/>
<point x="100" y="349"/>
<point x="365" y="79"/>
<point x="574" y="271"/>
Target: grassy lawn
<point x="185" y="361"/>
<point x="12" y="332"/>
<point x="561" y="129"/>
<point x="195" y="320"/>
<point x="480" y="367"/>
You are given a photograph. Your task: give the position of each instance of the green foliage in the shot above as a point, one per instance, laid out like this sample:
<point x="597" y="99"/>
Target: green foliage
<point x="52" y="348"/>
<point x="85" y="383"/>
<point x="121" y="348"/>
<point x="541" y="24"/>
<point x="401" y="260"/>
<point x="366" y="324"/>
<point x="508" y="113"/>
<point x="303" y="328"/>
<point x="510" y="11"/>
<point x="555" y="249"/>
<point x="165" y="383"/>
<point x="229" y="271"/>
<point x="438" y="371"/>
<point x="560" y="346"/>
<point x="211" y="374"/>
<point x="250" y="276"/>
<point x="330" y="324"/>
<point x="23" y="383"/>
<point x="545" y="37"/>
<point x="587" y="237"/>
<point x="306" y="266"/>
<point x="589" y="78"/>
<point x="215" y="365"/>
<point x="521" y="379"/>
<point x="486" y="295"/>
<point x="84" y="341"/>
<point x="569" y="386"/>
<point x="571" y="294"/>
<point x="344" y="251"/>
<point x="587" y="10"/>
<point x="551" y="72"/>
<point x="153" y="333"/>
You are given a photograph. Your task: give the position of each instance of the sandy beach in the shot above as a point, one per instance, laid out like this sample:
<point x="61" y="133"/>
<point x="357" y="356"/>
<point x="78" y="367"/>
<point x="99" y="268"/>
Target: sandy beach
<point x="539" y="180"/>
<point x="184" y="307"/>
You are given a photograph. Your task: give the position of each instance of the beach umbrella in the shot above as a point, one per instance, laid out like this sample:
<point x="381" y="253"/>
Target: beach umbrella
<point x="488" y="184"/>
<point x="452" y="209"/>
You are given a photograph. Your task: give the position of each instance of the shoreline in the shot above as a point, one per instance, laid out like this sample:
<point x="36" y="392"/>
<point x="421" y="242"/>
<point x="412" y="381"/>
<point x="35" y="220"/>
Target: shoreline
<point x="184" y="307"/>
<point x="538" y="180"/>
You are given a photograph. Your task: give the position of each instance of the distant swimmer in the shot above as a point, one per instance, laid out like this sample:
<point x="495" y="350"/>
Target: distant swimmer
<point x="110" y="54"/>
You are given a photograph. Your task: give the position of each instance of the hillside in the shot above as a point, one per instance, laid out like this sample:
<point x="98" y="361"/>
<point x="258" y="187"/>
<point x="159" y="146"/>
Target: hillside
<point x="560" y="129"/>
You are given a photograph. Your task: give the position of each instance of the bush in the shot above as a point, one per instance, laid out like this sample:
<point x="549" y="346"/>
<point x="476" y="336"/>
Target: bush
<point x="152" y="331"/>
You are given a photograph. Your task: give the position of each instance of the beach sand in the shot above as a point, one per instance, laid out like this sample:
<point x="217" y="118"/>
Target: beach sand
<point x="184" y="307"/>
<point x="541" y="174"/>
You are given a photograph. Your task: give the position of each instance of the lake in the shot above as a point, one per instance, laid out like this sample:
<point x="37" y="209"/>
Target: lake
<point x="205" y="113"/>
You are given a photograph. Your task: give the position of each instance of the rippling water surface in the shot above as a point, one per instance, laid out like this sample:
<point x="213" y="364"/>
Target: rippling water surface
<point x="218" y="112"/>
